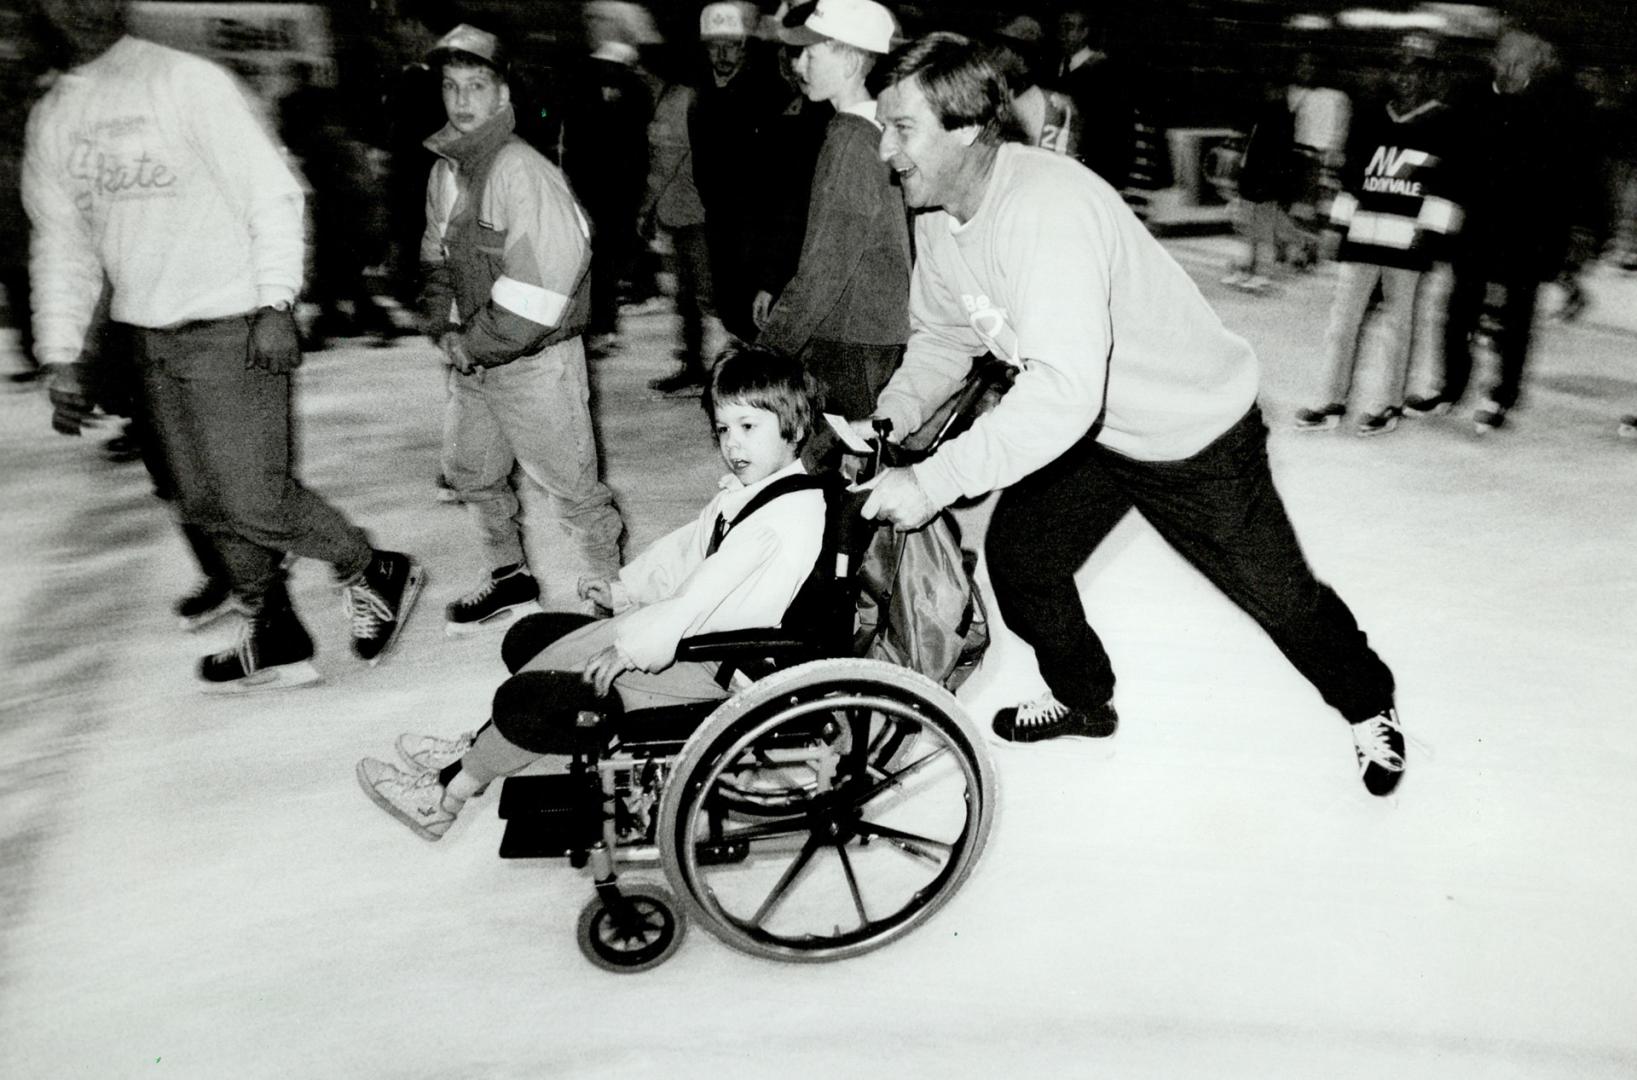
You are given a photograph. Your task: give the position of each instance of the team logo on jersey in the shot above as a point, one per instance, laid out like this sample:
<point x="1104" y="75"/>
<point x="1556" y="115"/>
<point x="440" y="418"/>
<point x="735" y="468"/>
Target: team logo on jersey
<point x="1389" y="168"/>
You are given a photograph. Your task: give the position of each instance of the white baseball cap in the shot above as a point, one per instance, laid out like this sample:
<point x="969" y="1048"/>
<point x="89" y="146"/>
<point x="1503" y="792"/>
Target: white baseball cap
<point x="863" y="24"/>
<point x="723" y="20"/>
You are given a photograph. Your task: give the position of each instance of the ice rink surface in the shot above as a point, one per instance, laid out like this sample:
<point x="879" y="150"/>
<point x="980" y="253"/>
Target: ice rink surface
<point x="195" y="887"/>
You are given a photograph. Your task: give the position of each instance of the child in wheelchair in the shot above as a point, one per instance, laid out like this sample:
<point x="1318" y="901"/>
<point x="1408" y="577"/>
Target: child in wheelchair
<point x="738" y="566"/>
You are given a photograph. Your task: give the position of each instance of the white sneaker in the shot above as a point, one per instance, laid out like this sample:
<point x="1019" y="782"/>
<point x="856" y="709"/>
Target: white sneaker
<point x="416" y="799"/>
<point x="431" y="753"/>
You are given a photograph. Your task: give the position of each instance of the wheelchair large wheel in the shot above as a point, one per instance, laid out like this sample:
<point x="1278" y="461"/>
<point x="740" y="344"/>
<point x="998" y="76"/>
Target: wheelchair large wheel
<point x="873" y="796"/>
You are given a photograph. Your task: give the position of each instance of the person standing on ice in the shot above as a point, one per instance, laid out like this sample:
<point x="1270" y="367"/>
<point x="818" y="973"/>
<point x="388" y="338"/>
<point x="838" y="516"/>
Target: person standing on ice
<point x="506" y="259"/>
<point x="150" y="166"/>
<point x="843" y="314"/>
<point x="1130" y="394"/>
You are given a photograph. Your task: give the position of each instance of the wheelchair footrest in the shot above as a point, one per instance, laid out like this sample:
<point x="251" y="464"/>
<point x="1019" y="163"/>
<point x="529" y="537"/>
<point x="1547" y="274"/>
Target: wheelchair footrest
<point x="549" y="816"/>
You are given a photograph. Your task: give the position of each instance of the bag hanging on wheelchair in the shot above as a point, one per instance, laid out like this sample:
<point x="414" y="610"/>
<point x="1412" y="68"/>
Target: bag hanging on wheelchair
<point x="918" y="606"/>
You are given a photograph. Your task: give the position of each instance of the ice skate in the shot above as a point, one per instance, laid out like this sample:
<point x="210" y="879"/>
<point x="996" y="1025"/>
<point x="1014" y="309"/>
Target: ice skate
<point x="1321" y="419"/>
<point x="210" y="601"/>
<point x="379" y="601"/>
<point x="1491" y="415"/>
<point x="1421" y="407"/>
<point x="509" y="593"/>
<point x="1378" y="423"/>
<point x="273" y="653"/>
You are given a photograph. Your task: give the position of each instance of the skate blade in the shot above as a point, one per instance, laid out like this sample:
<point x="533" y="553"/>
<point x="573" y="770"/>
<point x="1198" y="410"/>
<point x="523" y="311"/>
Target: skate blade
<point x="412" y="592"/>
<point x="282" y="677"/>
<point x="498" y="621"/>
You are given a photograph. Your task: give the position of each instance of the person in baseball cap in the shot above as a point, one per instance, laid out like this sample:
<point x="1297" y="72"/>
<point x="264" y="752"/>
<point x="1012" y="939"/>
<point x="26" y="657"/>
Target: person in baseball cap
<point x="726" y="20"/>
<point x="845" y="311"/>
<point x="467" y="43"/>
<point x="724" y="28"/>
<point x="863" y="24"/>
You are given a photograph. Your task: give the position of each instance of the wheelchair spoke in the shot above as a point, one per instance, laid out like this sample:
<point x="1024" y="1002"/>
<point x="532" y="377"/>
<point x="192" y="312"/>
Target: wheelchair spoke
<point x="767" y="830"/>
<point x="786" y="879"/>
<point x="852" y="885"/>
<point x="907" y="842"/>
<point x="894" y="778"/>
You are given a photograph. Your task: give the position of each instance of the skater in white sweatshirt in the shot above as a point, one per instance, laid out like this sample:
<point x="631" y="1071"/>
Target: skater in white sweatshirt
<point x="151" y="167"/>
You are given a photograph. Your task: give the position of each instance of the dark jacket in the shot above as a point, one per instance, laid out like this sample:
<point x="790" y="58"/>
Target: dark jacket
<point x="1397" y="206"/>
<point x="1270" y="170"/>
<point x="1525" y="177"/>
<point x="852" y="280"/>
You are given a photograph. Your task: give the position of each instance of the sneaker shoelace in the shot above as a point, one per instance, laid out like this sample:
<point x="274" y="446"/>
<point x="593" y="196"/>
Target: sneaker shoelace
<point x="1043" y="710"/>
<point x="436" y="746"/>
<point x="1370" y="736"/>
<point x="367" y="608"/>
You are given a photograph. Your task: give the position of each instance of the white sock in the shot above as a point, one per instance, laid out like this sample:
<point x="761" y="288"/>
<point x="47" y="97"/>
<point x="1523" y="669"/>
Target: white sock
<point x="461" y="788"/>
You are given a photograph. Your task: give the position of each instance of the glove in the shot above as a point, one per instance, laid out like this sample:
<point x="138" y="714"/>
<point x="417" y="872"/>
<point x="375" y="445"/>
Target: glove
<point x="71" y="407"/>
<point x="274" y="344"/>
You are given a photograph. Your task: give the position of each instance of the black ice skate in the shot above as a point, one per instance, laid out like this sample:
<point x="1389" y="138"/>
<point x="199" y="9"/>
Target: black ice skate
<point x="273" y="653"/>
<point x="212" y="600"/>
<point x="509" y="592"/>
<point x="379" y="601"/>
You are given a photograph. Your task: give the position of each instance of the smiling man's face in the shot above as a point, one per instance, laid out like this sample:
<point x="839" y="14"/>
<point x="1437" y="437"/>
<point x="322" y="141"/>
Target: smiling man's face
<point x="927" y="157"/>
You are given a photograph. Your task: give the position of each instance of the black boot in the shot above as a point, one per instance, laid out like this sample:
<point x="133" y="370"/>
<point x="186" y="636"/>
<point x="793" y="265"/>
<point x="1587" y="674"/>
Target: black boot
<point x="379" y="600"/>
<point x="273" y="652"/>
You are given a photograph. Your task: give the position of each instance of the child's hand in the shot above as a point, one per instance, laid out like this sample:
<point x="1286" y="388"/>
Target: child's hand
<point x="598" y="590"/>
<point x="601" y="670"/>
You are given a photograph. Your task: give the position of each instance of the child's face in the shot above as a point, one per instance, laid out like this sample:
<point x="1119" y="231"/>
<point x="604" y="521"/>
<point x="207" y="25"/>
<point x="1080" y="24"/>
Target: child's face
<point x="750" y="442"/>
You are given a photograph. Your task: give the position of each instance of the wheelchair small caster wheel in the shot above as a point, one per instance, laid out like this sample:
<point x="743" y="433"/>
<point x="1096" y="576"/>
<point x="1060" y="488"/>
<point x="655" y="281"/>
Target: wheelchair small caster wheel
<point x="639" y="931"/>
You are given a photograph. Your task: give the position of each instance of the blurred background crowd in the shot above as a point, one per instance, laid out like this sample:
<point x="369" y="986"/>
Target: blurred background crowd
<point x="1207" y="114"/>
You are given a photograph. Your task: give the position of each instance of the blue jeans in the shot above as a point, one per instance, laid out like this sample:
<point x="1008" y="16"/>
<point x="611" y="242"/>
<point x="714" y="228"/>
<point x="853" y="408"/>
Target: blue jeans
<point x="1220" y="511"/>
<point x="227" y="431"/>
<point x="533" y="413"/>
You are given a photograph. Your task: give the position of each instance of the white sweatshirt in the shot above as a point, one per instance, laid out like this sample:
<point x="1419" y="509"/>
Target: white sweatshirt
<point x="672" y="590"/>
<point x="153" y="165"/>
<point x="1054" y="273"/>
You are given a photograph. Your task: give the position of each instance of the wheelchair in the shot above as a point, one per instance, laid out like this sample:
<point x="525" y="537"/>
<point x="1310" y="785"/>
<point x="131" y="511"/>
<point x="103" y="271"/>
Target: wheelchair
<point x="829" y="806"/>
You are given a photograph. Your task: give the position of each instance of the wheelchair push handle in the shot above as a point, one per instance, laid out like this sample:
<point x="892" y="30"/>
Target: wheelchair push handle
<point x="990" y="376"/>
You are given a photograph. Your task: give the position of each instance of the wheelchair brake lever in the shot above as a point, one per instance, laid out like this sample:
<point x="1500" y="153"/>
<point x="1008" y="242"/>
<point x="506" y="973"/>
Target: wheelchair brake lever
<point x="878" y="448"/>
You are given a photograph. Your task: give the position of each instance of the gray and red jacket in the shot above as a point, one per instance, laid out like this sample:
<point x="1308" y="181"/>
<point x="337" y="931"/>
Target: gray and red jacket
<point x="507" y="250"/>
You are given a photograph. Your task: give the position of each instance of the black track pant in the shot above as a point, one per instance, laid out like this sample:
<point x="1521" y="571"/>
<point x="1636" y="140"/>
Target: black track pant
<point x="1219" y="509"/>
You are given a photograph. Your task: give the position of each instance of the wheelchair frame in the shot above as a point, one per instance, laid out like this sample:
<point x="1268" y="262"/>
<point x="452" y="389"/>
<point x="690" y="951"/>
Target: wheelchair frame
<point x="828" y="807"/>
